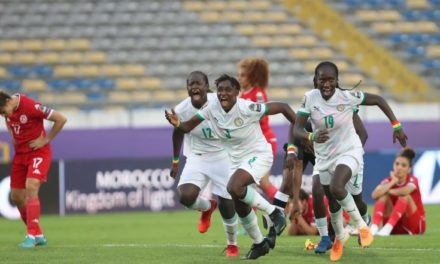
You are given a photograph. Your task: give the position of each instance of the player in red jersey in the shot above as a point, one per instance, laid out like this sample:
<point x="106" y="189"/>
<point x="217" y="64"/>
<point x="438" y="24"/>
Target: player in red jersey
<point x="398" y="201"/>
<point x="253" y="75"/>
<point x="302" y="221"/>
<point x="24" y="120"/>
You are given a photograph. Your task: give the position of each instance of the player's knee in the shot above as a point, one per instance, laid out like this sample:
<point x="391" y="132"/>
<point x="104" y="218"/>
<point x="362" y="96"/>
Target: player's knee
<point x="187" y="198"/>
<point x="338" y="192"/>
<point x="235" y="191"/>
<point x="18" y="199"/>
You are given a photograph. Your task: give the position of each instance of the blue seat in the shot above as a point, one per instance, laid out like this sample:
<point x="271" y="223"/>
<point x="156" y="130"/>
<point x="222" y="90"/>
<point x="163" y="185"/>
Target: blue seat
<point x="105" y="83"/>
<point x="19" y="71"/>
<point x="431" y="64"/>
<point x="434" y="38"/>
<point x="416" y="51"/>
<point x="419" y="38"/>
<point x="81" y="84"/>
<point x="412" y="15"/>
<point x="58" y="84"/>
<point x="10" y="85"/>
<point x="434" y="2"/>
<point x="96" y="97"/>
<point x="398" y="38"/>
<point x="42" y="71"/>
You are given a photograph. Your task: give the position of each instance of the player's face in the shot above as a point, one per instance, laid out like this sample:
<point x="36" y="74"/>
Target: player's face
<point x="8" y="109"/>
<point x="197" y="89"/>
<point x="401" y="167"/>
<point x="327" y="81"/>
<point x="227" y="95"/>
<point x="242" y="78"/>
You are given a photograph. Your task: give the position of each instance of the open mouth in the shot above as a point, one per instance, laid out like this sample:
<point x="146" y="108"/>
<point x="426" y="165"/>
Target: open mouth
<point x="196" y="95"/>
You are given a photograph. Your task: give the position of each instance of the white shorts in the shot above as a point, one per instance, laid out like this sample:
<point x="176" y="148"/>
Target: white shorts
<point x="355" y="162"/>
<point x="199" y="170"/>
<point x="257" y="164"/>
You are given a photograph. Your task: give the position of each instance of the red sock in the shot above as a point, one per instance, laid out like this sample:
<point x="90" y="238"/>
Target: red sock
<point x="33" y="217"/>
<point x="379" y="209"/>
<point x="22" y="211"/>
<point x="399" y="210"/>
<point x="270" y="191"/>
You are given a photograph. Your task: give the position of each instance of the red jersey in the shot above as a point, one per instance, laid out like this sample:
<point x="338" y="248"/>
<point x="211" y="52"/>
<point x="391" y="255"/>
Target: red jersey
<point x="258" y="95"/>
<point x="26" y="122"/>
<point x="415" y="195"/>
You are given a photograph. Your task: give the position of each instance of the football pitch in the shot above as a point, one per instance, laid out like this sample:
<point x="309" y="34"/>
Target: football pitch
<point x="172" y="237"/>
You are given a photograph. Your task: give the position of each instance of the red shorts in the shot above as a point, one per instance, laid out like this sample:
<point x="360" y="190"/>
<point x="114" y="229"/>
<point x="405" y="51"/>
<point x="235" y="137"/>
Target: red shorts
<point x="34" y="164"/>
<point x="414" y="224"/>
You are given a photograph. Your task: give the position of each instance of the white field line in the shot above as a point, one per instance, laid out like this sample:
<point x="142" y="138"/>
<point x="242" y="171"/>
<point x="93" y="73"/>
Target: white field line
<point x="129" y="245"/>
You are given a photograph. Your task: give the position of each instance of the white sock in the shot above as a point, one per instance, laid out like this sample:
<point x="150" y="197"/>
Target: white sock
<point x="366" y="218"/>
<point x="338" y="224"/>
<point x="201" y="204"/>
<point x="254" y="199"/>
<point x="231" y="227"/>
<point x="349" y="206"/>
<point x="374" y="228"/>
<point x="250" y="224"/>
<point x="281" y="196"/>
<point x="386" y="230"/>
<point x="322" y="225"/>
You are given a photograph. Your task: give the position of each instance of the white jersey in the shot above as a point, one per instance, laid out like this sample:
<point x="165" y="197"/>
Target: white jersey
<point x="335" y="115"/>
<point x="202" y="139"/>
<point x="239" y="128"/>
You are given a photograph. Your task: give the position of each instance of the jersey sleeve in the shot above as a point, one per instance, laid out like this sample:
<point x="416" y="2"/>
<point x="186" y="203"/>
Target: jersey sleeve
<point x="304" y="109"/>
<point x="255" y="110"/>
<point x="355" y="98"/>
<point x="39" y="110"/>
<point x="203" y="113"/>
<point x="179" y="109"/>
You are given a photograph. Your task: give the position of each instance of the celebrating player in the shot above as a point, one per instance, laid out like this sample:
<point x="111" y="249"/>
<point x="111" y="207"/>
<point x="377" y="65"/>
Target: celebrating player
<point x="236" y="122"/>
<point x="338" y="150"/>
<point x="206" y="161"/>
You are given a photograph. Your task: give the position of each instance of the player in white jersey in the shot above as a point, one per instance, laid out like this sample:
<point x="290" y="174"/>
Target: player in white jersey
<point x="236" y="122"/>
<point x="206" y="160"/>
<point x="338" y="150"/>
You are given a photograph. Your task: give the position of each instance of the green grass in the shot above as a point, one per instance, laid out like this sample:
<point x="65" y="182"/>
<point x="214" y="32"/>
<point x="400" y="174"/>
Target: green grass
<point x="173" y="238"/>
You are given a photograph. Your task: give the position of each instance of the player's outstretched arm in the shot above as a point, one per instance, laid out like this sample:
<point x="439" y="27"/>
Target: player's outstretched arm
<point x="177" y="146"/>
<point x="399" y="134"/>
<point x="186" y="126"/>
<point x="361" y="131"/>
<point x="274" y="108"/>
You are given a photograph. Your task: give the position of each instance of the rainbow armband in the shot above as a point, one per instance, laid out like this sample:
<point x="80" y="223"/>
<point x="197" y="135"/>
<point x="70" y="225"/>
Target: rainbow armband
<point x="310" y="136"/>
<point x="292" y="149"/>
<point x="396" y="125"/>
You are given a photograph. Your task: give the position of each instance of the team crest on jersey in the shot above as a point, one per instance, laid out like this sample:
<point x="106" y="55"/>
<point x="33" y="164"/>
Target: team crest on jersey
<point x="238" y="122"/>
<point x="356" y="94"/>
<point x="255" y="107"/>
<point x="23" y="119"/>
<point x="340" y="107"/>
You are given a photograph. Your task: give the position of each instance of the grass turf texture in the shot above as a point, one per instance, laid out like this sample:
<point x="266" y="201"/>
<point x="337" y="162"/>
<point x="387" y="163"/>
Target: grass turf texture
<point x="173" y="238"/>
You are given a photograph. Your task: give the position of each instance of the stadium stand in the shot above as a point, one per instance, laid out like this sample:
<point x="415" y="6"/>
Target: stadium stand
<point x="135" y="54"/>
<point x="408" y="29"/>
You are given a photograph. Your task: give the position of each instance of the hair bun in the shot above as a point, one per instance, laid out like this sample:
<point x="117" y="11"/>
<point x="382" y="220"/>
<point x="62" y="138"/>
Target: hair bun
<point x="408" y="153"/>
